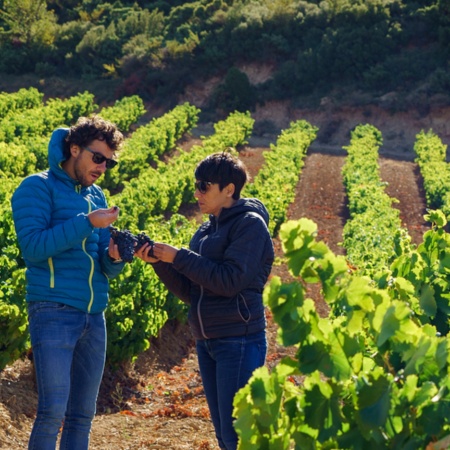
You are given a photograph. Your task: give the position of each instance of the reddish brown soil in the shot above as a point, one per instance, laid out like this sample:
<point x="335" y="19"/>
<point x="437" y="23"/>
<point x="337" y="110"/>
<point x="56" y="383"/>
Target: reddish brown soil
<point x="158" y="402"/>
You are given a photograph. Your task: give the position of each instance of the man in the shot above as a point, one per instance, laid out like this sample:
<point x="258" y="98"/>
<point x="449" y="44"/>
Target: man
<point x="61" y="219"/>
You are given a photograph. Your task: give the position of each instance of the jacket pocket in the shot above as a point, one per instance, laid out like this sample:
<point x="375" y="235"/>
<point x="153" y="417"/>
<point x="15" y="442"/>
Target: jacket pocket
<point x="243" y="309"/>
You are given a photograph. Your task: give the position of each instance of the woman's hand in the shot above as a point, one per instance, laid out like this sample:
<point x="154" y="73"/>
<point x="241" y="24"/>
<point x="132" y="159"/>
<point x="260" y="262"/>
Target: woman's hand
<point x="143" y="253"/>
<point x="161" y="252"/>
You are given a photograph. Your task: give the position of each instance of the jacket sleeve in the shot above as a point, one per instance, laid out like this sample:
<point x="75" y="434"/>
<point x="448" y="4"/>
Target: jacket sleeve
<point x="32" y="212"/>
<point x="110" y="268"/>
<point x="243" y="260"/>
<point x="175" y="282"/>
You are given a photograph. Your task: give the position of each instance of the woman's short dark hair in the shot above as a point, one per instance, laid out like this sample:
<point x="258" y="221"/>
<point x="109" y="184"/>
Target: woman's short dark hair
<point x="88" y="129"/>
<point x="223" y="168"/>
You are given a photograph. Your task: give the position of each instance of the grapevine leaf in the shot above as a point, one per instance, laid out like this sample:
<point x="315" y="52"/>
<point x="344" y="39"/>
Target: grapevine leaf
<point x="285" y="300"/>
<point x="436" y="217"/>
<point x="417" y="358"/>
<point x="326" y="356"/>
<point x="427" y="300"/>
<point x="396" y="318"/>
<point x="322" y="410"/>
<point x="410" y="387"/>
<point x="423" y="394"/>
<point x="359" y="294"/>
<point x="404" y="288"/>
<point x="374" y="401"/>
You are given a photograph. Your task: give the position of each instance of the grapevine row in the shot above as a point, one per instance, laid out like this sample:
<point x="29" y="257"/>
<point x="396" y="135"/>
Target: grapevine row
<point x="19" y="101"/>
<point x="13" y="329"/>
<point x="435" y="171"/>
<point x="27" y="153"/>
<point x="275" y="187"/>
<point x="148" y="143"/>
<point x="369" y="235"/>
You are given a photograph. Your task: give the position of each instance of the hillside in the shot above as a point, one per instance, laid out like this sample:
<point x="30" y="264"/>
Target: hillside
<point x="158" y="402"/>
<point x="398" y="118"/>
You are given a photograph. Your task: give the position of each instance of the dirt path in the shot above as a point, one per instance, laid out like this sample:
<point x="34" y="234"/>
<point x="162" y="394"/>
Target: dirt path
<point x="158" y="402"/>
<point x="405" y="184"/>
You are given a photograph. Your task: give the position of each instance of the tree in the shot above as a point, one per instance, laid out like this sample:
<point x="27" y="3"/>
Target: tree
<point x="236" y="93"/>
<point x="28" y="22"/>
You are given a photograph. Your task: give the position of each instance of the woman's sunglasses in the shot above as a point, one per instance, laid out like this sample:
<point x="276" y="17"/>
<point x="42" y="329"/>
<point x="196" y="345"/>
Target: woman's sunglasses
<point x="203" y="186"/>
<point x="98" y="158"/>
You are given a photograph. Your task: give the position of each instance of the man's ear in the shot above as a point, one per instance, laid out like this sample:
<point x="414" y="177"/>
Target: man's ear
<point x="74" y="150"/>
<point x="230" y="189"/>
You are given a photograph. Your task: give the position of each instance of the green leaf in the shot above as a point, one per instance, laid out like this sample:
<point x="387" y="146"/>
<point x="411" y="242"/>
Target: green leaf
<point x="374" y="400"/>
<point x="427" y="300"/>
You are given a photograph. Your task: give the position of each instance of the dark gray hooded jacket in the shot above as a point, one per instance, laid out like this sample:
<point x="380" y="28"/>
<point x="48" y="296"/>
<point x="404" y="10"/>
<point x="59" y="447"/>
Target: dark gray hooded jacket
<point x="223" y="273"/>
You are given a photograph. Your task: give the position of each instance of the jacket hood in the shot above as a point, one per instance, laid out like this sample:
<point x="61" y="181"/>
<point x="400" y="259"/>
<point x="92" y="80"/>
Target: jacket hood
<point x="244" y="205"/>
<point x="56" y="153"/>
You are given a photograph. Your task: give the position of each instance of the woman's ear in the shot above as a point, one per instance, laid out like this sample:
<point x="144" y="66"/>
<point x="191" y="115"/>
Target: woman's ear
<point x="230" y="189"/>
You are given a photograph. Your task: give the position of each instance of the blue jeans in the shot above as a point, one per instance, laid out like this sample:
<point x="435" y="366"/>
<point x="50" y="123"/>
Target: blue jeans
<point x="69" y="348"/>
<point x="226" y="365"/>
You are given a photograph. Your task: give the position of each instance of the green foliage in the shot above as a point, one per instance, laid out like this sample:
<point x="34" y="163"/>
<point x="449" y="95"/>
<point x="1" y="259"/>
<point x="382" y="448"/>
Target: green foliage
<point x="124" y="112"/>
<point x="368" y="376"/>
<point x="102" y="42"/>
<point x="29" y="21"/>
<point x="150" y="142"/>
<point x="376" y="45"/>
<point x="374" y="225"/>
<point x="14" y="338"/>
<point x="19" y="101"/>
<point x="139" y="309"/>
<point x="16" y="159"/>
<point x="140" y="304"/>
<point x="435" y="171"/>
<point x="24" y="126"/>
<point x="420" y="276"/>
<point x="275" y="187"/>
<point x="236" y="93"/>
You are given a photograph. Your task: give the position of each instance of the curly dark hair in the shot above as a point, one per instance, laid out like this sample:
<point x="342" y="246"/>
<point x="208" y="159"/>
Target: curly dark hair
<point x="88" y="129"/>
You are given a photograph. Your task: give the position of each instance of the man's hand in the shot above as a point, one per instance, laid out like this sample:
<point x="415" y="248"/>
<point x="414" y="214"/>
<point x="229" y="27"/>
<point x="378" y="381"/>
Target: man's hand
<point x="113" y="251"/>
<point x="103" y="218"/>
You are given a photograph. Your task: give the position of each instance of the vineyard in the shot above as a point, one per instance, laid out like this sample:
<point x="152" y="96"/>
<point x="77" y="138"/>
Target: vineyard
<point x="368" y="355"/>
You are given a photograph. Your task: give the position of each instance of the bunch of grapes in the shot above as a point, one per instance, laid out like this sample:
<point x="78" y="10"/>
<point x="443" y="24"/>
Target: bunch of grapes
<point x="142" y="239"/>
<point x="128" y="243"/>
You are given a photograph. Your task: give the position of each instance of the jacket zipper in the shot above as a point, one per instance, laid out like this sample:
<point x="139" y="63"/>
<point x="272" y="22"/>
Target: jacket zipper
<point x="52" y="272"/>
<point x="91" y="272"/>
<point x="199" y="315"/>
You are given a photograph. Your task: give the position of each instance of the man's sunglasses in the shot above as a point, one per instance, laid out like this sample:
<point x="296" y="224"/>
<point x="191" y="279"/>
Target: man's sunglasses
<point x="98" y="158"/>
<point x="203" y="186"/>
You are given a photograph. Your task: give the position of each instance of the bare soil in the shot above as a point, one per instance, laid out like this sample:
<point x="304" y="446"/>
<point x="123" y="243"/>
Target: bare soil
<point x="158" y="402"/>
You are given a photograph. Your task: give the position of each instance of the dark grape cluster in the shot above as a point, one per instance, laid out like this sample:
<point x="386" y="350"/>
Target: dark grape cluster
<point x="142" y="239"/>
<point x="128" y="243"/>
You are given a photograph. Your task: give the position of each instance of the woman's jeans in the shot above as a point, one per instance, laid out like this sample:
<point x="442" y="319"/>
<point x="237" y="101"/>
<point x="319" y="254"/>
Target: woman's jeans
<point x="69" y="348"/>
<point x="226" y="365"/>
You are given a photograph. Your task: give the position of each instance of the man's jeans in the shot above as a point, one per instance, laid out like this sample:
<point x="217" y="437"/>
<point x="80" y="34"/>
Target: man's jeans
<point x="69" y="348"/>
<point x="226" y="365"/>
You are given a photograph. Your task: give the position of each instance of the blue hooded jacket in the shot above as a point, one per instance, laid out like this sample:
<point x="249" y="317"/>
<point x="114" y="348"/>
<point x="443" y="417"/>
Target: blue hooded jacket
<point x="66" y="257"/>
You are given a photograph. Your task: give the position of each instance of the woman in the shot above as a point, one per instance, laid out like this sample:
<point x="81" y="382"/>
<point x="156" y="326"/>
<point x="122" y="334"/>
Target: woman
<point x="222" y="276"/>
